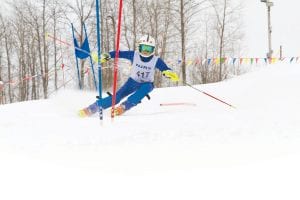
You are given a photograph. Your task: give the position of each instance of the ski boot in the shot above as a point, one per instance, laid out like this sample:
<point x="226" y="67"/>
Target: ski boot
<point x="119" y="110"/>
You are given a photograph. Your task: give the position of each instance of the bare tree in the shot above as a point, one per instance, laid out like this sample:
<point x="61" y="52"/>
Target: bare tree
<point x="131" y="18"/>
<point x="187" y="10"/>
<point x="227" y="28"/>
<point x="1" y="56"/>
<point x="32" y="65"/>
<point x="33" y="24"/>
<point x="45" y="52"/>
<point x="57" y="10"/>
<point x="8" y="42"/>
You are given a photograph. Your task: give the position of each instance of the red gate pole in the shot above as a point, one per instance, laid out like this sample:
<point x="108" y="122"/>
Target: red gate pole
<point x="116" y="60"/>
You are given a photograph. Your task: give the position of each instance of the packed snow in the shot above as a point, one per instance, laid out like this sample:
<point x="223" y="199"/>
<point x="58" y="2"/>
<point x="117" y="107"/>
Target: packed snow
<point x="205" y="151"/>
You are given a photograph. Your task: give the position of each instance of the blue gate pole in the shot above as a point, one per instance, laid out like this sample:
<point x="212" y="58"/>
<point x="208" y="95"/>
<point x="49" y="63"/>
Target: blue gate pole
<point x="79" y="80"/>
<point x="91" y="61"/>
<point x="99" y="62"/>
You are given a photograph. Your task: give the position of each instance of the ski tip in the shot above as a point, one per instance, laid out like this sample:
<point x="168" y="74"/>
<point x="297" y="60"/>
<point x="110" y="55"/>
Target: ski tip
<point x="233" y="107"/>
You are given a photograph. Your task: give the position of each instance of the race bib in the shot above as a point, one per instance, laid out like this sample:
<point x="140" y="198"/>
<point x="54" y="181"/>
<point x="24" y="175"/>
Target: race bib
<point x="143" y="71"/>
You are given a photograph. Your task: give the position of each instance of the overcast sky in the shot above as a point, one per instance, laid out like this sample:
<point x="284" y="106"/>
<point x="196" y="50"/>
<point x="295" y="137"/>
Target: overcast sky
<point x="285" y="16"/>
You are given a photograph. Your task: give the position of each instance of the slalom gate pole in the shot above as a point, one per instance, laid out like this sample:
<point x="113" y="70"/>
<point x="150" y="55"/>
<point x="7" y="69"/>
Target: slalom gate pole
<point x="116" y="60"/>
<point x="99" y="101"/>
<point x="208" y="95"/>
<point x="78" y="74"/>
<point x="91" y="61"/>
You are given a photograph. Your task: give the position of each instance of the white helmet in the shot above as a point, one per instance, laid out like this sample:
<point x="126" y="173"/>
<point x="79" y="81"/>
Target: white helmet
<point x="146" y="46"/>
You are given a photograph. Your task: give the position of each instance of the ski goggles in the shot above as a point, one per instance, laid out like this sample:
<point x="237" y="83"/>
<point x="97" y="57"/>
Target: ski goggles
<point x="147" y="48"/>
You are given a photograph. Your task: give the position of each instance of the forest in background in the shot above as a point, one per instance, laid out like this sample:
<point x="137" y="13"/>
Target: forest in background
<point x="37" y="52"/>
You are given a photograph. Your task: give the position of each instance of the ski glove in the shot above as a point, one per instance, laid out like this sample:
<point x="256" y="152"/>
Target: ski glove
<point x="171" y="75"/>
<point x="104" y="57"/>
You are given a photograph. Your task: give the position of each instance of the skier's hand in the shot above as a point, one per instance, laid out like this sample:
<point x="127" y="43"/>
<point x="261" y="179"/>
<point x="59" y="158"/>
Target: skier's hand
<point x="171" y="75"/>
<point x="104" y="57"/>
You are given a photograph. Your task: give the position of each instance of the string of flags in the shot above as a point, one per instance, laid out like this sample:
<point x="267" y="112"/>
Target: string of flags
<point x="233" y="61"/>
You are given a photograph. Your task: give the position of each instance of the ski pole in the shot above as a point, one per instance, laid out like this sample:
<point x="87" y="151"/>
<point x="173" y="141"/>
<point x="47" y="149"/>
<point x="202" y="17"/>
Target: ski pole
<point x="209" y="95"/>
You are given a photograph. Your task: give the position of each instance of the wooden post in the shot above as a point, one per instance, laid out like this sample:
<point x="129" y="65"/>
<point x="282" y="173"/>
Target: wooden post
<point x="280" y="52"/>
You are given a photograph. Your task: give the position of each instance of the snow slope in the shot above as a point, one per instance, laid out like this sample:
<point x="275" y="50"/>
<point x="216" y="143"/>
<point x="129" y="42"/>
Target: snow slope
<point x="207" y="151"/>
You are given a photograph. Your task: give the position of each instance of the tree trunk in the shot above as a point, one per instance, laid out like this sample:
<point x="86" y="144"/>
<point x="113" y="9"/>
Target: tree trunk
<point x="55" y="51"/>
<point x="134" y="20"/>
<point x="1" y="81"/>
<point x="222" y="41"/>
<point x="183" y="48"/>
<point x="10" y="94"/>
<point x="45" y="76"/>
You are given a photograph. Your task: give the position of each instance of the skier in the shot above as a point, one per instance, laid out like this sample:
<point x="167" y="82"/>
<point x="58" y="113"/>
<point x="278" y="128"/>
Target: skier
<point x="141" y="79"/>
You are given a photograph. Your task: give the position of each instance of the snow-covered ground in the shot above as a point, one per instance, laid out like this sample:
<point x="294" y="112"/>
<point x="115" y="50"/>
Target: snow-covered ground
<point x="208" y="151"/>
